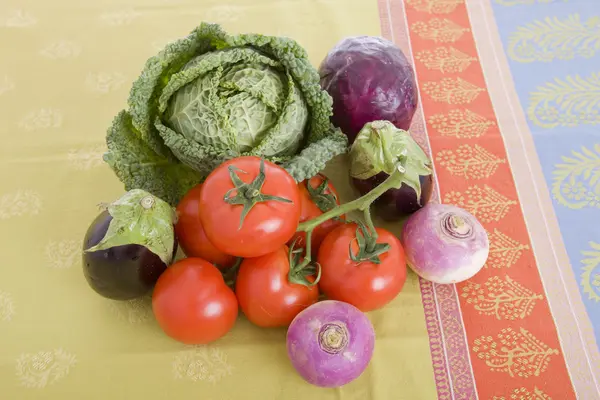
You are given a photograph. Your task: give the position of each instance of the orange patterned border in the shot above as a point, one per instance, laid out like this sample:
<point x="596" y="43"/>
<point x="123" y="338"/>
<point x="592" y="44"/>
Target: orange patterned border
<point x="560" y="283"/>
<point x="511" y="337"/>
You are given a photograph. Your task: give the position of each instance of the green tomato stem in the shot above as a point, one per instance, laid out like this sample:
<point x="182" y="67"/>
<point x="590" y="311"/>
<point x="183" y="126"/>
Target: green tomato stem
<point x="372" y="240"/>
<point x="308" y="249"/>
<point x="325" y="201"/>
<point x="300" y="270"/>
<point x="362" y="203"/>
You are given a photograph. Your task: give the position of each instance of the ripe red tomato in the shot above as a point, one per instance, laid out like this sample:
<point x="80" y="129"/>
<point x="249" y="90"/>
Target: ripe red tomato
<point x="265" y="293"/>
<point x="366" y="285"/>
<point x="316" y="194"/>
<point x="249" y="207"/>
<point x="192" y="303"/>
<point x="191" y="235"/>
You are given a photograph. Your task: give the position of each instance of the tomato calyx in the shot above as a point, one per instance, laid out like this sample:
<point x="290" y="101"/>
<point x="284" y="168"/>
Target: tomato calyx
<point x="325" y="201"/>
<point x="368" y="248"/>
<point x="300" y="269"/>
<point x="249" y="194"/>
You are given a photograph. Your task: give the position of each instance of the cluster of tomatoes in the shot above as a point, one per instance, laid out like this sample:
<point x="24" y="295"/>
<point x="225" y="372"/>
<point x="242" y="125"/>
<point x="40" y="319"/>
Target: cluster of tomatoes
<point x="239" y="231"/>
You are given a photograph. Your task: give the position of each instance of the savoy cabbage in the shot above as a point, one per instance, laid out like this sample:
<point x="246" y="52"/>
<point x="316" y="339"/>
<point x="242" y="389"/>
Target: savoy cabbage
<point x="212" y="96"/>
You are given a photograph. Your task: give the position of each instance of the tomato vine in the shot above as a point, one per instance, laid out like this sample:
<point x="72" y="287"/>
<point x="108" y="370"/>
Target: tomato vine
<point x="366" y="234"/>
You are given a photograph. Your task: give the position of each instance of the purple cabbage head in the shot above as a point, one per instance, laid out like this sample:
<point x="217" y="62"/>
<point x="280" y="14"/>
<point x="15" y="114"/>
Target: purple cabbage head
<point x="369" y="78"/>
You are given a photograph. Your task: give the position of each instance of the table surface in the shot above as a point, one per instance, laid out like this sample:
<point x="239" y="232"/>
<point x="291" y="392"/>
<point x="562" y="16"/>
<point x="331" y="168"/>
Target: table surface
<point x="508" y="109"/>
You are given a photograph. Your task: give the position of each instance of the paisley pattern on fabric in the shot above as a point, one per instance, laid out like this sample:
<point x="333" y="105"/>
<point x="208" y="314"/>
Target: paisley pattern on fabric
<point x="202" y="364"/>
<point x="503" y="298"/>
<point x="552" y="49"/>
<point x="470" y="162"/>
<point x="7" y="307"/>
<point x="555" y="38"/>
<point x="435" y="6"/>
<point x="590" y="275"/>
<point x="525" y="394"/>
<point x="577" y="179"/>
<point x="567" y="102"/>
<point x="516" y="353"/>
<point x="38" y="370"/>
<point x="445" y="59"/>
<point x="20" y="203"/>
<point x="504" y="250"/>
<point x="461" y="123"/>
<point x="439" y="30"/>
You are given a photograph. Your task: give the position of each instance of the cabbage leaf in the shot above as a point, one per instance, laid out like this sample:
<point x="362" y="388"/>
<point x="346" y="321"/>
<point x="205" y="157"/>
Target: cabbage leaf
<point x="210" y="97"/>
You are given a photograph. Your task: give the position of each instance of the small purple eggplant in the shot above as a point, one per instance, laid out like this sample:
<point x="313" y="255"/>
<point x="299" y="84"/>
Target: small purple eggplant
<point x="379" y="150"/>
<point x="128" y="246"/>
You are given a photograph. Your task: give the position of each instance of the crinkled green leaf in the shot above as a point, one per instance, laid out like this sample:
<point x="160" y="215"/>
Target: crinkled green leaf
<point x="315" y="156"/>
<point x="139" y="167"/>
<point x="215" y="99"/>
<point x="143" y="97"/>
<point x="210" y="97"/>
<point x="141" y="218"/>
<point x="286" y="136"/>
<point x="380" y="146"/>
<point x="235" y="99"/>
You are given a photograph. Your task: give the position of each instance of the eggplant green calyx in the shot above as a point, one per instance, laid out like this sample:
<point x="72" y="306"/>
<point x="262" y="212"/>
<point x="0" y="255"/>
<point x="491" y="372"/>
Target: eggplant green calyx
<point x="300" y="269"/>
<point x="141" y="218"/>
<point x="379" y="146"/>
<point x="248" y="194"/>
<point x="368" y="248"/>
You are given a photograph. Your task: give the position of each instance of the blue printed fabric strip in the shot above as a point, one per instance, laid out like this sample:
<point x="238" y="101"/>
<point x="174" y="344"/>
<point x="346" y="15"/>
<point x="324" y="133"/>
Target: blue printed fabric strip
<point x="553" y="49"/>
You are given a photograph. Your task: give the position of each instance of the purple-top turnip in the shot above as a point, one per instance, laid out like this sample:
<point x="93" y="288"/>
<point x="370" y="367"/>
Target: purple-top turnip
<point x="444" y="243"/>
<point x="330" y="343"/>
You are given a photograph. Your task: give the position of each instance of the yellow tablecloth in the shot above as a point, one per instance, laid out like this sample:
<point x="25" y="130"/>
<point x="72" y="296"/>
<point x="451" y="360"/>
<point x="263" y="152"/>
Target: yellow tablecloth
<point x="65" y="71"/>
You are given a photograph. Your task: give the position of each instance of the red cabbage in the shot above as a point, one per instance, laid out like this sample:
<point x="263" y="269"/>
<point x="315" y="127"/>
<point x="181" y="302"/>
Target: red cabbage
<point x="369" y="78"/>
